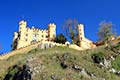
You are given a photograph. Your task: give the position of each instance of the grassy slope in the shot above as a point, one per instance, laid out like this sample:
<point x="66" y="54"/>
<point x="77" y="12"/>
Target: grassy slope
<point x="52" y="66"/>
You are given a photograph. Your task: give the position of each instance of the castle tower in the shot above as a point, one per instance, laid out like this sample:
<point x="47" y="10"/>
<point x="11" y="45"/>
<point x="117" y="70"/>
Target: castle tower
<point x="51" y="31"/>
<point x="81" y="32"/>
<point x="81" y="35"/>
<point x="22" y="25"/>
<point x="21" y="33"/>
<point x="26" y="36"/>
<point x="14" y="43"/>
<point x="15" y="36"/>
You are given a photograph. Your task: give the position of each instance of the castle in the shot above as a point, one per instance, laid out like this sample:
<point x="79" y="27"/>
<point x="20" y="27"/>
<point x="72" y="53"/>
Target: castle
<point x="25" y="36"/>
<point x="27" y="39"/>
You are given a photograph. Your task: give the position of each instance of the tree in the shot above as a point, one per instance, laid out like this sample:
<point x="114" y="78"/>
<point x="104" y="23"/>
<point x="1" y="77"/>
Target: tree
<point x="106" y="32"/>
<point x="60" y="39"/>
<point x="70" y="29"/>
<point x="98" y="57"/>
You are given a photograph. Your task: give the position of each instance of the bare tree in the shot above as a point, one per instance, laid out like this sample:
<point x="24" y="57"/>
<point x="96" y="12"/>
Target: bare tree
<point x="70" y="29"/>
<point x="106" y="32"/>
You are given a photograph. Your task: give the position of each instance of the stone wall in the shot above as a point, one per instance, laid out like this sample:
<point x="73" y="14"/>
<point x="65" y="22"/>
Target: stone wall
<point x="28" y="48"/>
<point x="19" y="51"/>
<point x="25" y="49"/>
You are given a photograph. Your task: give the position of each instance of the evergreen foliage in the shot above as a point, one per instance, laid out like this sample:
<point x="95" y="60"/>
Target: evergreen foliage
<point x="60" y="39"/>
<point x="98" y="57"/>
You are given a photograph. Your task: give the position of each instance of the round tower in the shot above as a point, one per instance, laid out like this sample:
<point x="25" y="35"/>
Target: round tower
<point x="15" y="36"/>
<point x="81" y="32"/>
<point x="81" y="35"/>
<point x="21" y="34"/>
<point x="15" y="40"/>
<point x="22" y="28"/>
<point x="51" y="31"/>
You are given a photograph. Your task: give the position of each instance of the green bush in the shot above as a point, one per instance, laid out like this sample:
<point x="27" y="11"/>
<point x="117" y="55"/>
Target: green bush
<point x="116" y="63"/>
<point x="19" y="73"/>
<point x="98" y="57"/>
<point x="60" y="39"/>
<point x="12" y="72"/>
<point x="67" y="60"/>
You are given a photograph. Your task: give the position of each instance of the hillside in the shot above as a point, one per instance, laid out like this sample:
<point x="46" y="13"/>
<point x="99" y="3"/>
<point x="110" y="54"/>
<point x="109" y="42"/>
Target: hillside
<point x="62" y="63"/>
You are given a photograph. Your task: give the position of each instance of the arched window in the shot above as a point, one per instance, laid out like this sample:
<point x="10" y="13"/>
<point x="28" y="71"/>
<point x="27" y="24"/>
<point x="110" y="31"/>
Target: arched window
<point x="35" y="37"/>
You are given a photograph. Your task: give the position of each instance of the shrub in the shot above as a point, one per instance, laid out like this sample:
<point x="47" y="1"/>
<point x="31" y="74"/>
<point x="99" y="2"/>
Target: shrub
<point x="12" y="72"/>
<point x="98" y="57"/>
<point x="60" y="39"/>
<point x="19" y="73"/>
<point x="116" y="63"/>
<point x="67" y="60"/>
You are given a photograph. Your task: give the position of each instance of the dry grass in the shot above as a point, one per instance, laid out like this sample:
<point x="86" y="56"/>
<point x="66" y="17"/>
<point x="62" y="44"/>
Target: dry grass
<point x="52" y="65"/>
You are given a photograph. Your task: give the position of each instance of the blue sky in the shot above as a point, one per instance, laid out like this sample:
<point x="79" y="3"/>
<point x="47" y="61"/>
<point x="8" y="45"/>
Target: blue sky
<point x="42" y="12"/>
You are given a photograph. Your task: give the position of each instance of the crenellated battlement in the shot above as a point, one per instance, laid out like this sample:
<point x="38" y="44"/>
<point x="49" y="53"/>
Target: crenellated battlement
<point x="52" y="24"/>
<point x="22" y="22"/>
<point x="26" y="35"/>
<point x="27" y="39"/>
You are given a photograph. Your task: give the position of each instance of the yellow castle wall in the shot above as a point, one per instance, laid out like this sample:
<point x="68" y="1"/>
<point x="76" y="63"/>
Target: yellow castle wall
<point x="25" y="49"/>
<point x="43" y="36"/>
<point x="84" y="42"/>
<point x="27" y="35"/>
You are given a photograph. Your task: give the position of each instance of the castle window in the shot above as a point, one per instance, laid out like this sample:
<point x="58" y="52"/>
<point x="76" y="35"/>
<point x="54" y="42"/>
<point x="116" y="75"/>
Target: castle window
<point x="46" y="36"/>
<point x="35" y="35"/>
<point x="42" y="36"/>
<point x="34" y="40"/>
<point x="26" y="34"/>
<point x="26" y="39"/>
<point x="80" y="33"/>
<point x="27" y="29"/>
